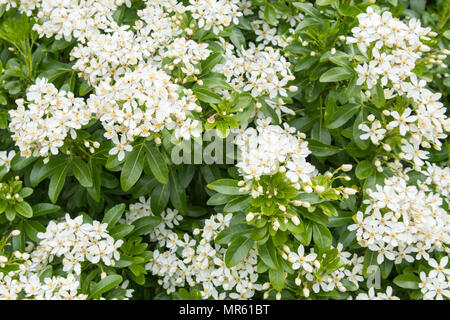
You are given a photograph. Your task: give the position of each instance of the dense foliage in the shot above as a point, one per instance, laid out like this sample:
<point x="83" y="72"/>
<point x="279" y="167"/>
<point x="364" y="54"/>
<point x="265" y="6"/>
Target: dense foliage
<point x="224" y="149"/>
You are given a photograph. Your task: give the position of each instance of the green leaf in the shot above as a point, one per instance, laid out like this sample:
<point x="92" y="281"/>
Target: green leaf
<point x="219" y="199"/>
<point x="270" y="15"/>
<point x="364" y="169"/>
<point x="40" y="170"/>
<point x="10" y="212"/>
<point x="18" y="162"/>
<point x="157" y="163"/>
<point x="97" y="172"/>
<point x="377" y="96"/>
<point x="342" y="115"/>
<point x="386" y="268"/>
<point x="24" y="209"/>
<point x="132" y="168"/>
<point x="325" y="2"/>
<point x="238" y="250"/>
<point x="25" y="192"/>
<point x="342" y="219"/>
<point x="112" y="216"/>
<point x="268" y="254"/>
<point x="32" y="228"/>
<point x="57" y="182"/>
<point x="276" y="277"/>
<point x="205" y="95"/>
<point x="216" y="82"/>
<point x="177" y="193"/>
<point x="328" y="209"/>
<point x="3" y="205"/>
<point x="121" y="230"/>
<point x="82" y="172"/>
<point x="228" y="234"/>
<point x="106" y="284"/>
<point x="225" y="186"/>
<point x="320" y="149"/>
<point x="370" y="260"/>
<point x="308" y="8"/>
<point x="159" y="198"/>
<point x="237" y="204"/>
<point x="41" y="209"/>
<point x="85" y="88"/>
<point x="322" y="237"/>
<point x="211" y="62"/>
<point x="407" y="281"/>
<point x="306" y="63"/>
<point x="237" y="38"/>
<point x="336" y="74"/>
<point x="145" y="225"/>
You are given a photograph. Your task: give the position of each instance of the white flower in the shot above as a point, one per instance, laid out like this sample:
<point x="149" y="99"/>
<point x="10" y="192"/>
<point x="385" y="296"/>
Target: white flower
<point x="6" y="158"/>
<point x="375" y="133"/>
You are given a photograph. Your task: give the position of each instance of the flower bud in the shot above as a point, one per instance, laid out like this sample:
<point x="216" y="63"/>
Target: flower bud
<point x="306" y="204"/>
<point x="306" y="292"/>
<point x="275" y="224"/>
<point x="350" y="191"/>
<point x="15" y="233"/>
<point x="295" y="220"/>
<point x="319" y="189"/>
<point x="346" y="167"/>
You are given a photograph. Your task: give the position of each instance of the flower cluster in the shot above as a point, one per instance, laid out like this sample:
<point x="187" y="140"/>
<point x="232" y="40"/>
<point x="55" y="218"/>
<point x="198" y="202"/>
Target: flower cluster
<point x="372" y="295"/>
<point x="27" y="285"/>
<point x="309" y="266"/>
<point x="402" y="222"/>
<point x="268" y="34"/>
<point x="134" y="96"/>
<point x="435" y="285"/>
<point x="142" y="102"/>
<point x="395" y="49"/>
<point x="41" y="124"/>
<point x="439" y="178"/>
<point x="259" y="70"/>
<point x="72" y="18"/>
<point x="215" y="14"/>
<point x="76" y="242"/>
<point x="196" y="260"/>
<point x="269" y="149"/>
